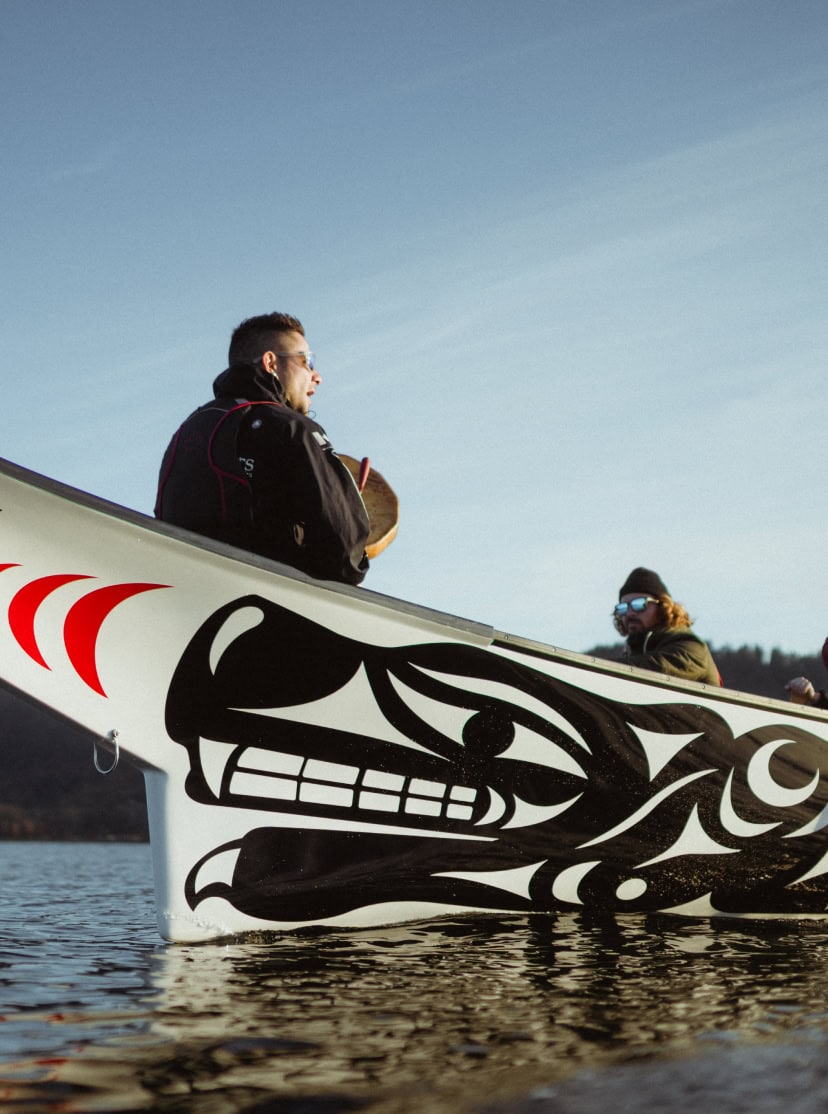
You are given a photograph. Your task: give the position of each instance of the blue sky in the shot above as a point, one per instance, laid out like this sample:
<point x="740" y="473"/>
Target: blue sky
<point x="563" y="264"/>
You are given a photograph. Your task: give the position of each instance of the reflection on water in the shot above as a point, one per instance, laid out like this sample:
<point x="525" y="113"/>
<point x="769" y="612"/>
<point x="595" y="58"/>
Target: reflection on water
<point x="98" y="1014"/>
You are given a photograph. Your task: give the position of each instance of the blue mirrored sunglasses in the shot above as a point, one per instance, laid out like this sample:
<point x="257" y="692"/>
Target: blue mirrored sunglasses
<point x="639" y="604"/>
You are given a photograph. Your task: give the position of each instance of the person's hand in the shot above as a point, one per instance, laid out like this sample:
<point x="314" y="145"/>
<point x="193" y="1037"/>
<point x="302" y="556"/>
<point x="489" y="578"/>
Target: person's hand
<point x="801" y="690"/>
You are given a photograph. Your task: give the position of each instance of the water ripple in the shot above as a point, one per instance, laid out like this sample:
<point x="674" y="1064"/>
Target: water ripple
<point x="451" y="1015"/>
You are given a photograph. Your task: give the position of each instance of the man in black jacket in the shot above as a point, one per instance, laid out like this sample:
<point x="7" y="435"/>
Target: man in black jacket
<point x="658" y="631"/>
<point x="252" y="469"/>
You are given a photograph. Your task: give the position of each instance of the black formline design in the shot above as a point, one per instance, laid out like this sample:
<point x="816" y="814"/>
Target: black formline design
<point x="484" y="783"/>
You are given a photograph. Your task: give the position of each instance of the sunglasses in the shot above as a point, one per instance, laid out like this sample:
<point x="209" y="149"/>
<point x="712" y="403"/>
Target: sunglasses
<point x="639" y="604"/>
<point x="308" y="357"/>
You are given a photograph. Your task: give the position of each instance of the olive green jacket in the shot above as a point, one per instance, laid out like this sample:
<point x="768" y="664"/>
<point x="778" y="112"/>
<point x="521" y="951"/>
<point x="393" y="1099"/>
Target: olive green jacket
<point x="676" y="651"/>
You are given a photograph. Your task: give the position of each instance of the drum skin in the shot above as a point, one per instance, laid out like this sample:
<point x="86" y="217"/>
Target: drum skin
<point x="381" y="504"/>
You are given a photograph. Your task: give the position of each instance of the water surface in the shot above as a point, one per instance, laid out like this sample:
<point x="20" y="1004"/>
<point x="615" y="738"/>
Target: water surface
<point x="564" y="1013"/>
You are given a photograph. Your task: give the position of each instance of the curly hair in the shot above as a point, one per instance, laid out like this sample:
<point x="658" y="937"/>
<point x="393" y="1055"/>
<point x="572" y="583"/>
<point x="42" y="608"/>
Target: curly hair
<point x="256" y="335"/>
<point x="673" y="614"/>
<point x="670" y="614"/>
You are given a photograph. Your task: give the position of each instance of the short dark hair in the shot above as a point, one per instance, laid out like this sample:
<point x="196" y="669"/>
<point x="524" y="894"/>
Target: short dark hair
<point x="257" y="335"/>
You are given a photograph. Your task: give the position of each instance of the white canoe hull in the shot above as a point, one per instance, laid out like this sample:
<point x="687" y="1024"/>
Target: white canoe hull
<point x="321" y="755"/>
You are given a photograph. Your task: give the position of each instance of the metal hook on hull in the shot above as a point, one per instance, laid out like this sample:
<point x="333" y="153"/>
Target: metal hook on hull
<point x="112" y="739"/>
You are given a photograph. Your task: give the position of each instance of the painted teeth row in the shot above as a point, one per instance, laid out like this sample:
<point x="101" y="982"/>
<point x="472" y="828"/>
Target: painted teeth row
<point x="290" y="777"/>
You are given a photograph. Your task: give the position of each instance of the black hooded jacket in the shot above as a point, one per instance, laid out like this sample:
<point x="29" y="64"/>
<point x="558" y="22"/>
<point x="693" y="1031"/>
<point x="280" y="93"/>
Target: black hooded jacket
<point x="249" y="470"/>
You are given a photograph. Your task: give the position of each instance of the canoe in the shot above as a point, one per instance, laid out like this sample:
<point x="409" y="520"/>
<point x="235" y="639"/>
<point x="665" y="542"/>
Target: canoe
<point x="321" y="755"/>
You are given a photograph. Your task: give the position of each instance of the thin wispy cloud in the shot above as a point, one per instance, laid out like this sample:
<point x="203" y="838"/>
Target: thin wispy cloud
<point x="97" y="163"/>
<point x="562" y="264"/>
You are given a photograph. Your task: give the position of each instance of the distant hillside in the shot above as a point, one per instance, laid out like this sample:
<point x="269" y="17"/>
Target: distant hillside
<point x="50" y="788"/>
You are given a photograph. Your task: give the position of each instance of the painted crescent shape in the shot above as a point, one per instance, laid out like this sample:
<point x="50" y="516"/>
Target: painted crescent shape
<point x="83" y="622"/>
<point x="24" y="605"/>
<point x="762" y="783"/>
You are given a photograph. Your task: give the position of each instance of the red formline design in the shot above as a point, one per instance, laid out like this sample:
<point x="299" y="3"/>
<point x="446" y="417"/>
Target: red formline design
<point x="81" y="626"/>
<point x="24" y="605"/>
<point x="83" y="622"/>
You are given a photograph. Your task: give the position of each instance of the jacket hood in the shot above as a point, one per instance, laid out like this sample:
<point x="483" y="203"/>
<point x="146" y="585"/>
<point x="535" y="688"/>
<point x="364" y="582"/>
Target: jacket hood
<point x="249" y="381"/>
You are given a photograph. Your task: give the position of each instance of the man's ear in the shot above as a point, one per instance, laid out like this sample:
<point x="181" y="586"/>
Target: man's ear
<point x="269" y="362"/>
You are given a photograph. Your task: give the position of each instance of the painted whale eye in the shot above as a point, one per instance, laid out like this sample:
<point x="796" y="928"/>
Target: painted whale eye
<point x="489" y="732"/>
<point x="494" y="731"/>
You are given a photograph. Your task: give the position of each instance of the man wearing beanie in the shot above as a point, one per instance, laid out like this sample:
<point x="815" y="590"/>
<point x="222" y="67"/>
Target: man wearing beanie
<point x="801" y="690"/>
<point x="658" y="631"/>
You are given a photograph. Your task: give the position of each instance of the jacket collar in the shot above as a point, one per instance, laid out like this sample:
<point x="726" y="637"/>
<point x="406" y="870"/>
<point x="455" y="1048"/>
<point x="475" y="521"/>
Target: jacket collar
<point x="249" y="381"/>
<point x="641" y="641"/>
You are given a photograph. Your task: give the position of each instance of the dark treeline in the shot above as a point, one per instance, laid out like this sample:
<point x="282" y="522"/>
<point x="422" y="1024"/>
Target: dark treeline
<point x="50" y="789"/>
<point x="750" y="669"/>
